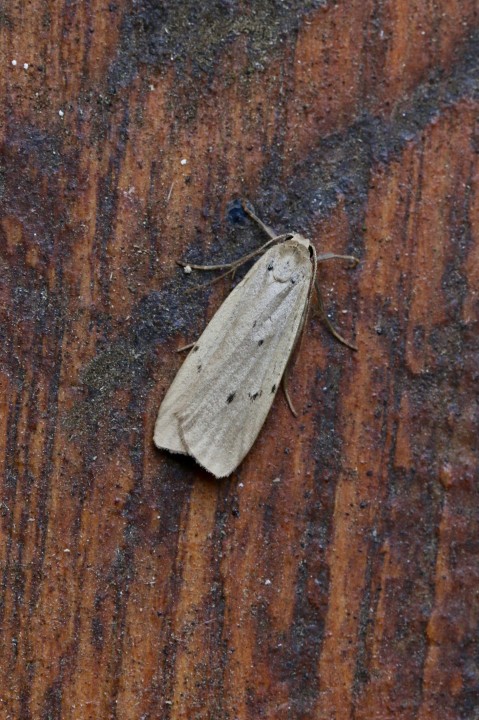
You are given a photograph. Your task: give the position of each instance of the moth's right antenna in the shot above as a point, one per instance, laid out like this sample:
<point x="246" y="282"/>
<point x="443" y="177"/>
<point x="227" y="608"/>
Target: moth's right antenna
<point x="259" y="222"/>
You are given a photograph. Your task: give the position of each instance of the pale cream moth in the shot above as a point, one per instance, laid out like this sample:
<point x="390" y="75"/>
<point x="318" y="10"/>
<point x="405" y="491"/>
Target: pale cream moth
<point x="221" y="395"/>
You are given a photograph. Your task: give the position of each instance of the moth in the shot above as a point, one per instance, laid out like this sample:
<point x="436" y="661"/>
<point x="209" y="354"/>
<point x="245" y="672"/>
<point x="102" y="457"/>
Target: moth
<point x="221" y="395"/>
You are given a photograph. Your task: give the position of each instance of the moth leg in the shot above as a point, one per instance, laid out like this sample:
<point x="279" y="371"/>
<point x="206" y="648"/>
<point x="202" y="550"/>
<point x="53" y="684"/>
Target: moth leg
<point x="333" y="256"/>
<point x="286" y="394"/>
<point x="186" y="347"/>
<point x="297" y="343"/>
<point x="328" y="323"/>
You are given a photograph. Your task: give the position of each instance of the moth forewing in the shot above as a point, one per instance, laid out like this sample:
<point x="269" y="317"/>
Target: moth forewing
<point x="221" y="395"/>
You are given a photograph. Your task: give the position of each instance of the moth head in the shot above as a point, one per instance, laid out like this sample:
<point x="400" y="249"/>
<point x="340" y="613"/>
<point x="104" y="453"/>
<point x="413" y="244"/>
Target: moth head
<point x="300" y="240"/>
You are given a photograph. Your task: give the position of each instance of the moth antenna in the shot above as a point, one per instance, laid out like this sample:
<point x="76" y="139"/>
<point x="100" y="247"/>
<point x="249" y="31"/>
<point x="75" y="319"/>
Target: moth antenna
<point x="210" y="282"/>
<point x="232" y="266"/>
<point x="328" y="323"/>
<point x="259" y="222"/>
<point x="205" y="267"/>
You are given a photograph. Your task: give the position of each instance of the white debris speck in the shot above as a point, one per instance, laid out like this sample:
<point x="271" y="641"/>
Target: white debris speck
<point x="267" y="582"/>
<point x="277" y="480"/>
<point x="25" y="66"/>
<point x="14" y="62"/>
<point x="67" y="550"/>
<point x="187" y="269"/>
<point x="184" y="161"/>
<point x="61" y="113"/>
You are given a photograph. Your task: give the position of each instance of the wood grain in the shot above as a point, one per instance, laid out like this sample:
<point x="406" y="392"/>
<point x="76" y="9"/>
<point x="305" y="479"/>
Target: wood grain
<point x="335" y="574"/>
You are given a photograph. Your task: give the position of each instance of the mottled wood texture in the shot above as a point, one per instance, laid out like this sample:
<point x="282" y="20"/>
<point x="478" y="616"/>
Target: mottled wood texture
<point x="335" y="574"/>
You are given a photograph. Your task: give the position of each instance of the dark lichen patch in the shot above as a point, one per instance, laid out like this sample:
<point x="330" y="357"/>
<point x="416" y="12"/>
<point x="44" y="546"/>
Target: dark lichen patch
<point x="339" y="167"/>
<point x="191" y="34"/>
<point x="6" y="19"/>
<point x="129" y="363"/>
<point x="97" y="632"/>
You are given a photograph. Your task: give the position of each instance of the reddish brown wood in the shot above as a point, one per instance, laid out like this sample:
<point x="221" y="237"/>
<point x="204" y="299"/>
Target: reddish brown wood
<point x="335" y="574"/>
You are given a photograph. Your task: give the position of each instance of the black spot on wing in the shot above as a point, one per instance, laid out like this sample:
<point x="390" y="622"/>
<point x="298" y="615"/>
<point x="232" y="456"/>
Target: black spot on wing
<point x="196" y="348"/>
<point x="273" y="389"/>
<point x="270" y="266"/>
<point x="230" y="398"/>
<point x="199" y="368"/>
<point x="260" y="342"/>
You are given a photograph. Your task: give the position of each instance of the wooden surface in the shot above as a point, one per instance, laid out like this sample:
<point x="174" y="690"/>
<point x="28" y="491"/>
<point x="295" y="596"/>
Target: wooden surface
<point x="334" y="575"/>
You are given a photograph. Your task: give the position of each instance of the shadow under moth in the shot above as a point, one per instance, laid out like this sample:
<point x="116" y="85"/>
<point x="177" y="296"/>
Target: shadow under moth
<point x="221" y="395"/>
